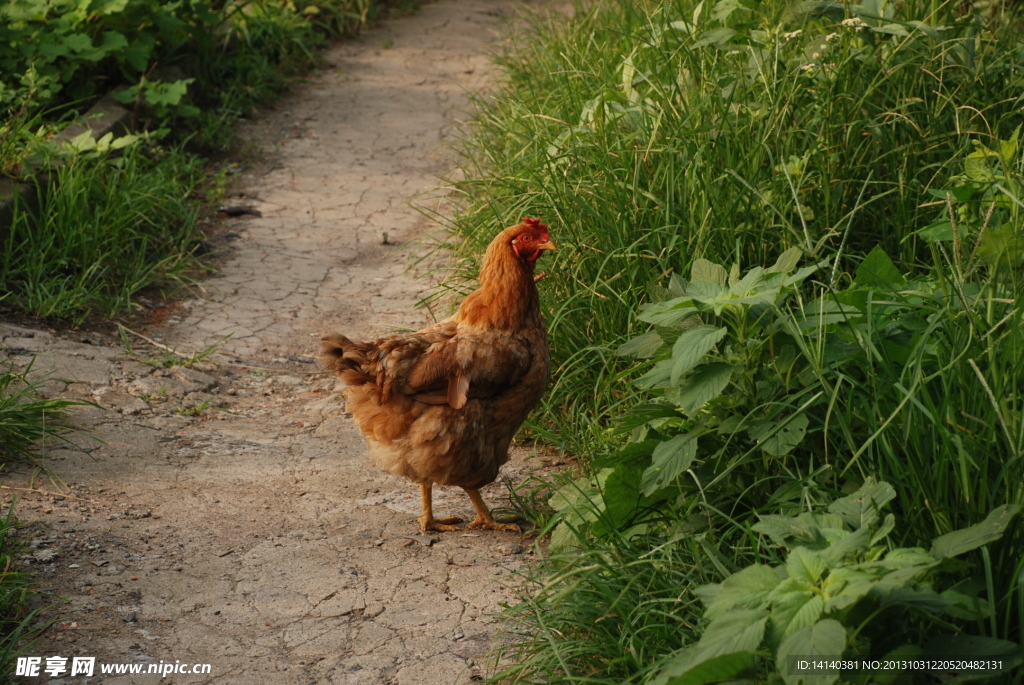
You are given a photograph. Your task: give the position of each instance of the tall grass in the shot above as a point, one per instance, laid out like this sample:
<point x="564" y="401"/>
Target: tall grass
<point x="105" y="229"/>
<point x="653" y="134"/>
<point x="649" y="134"/>
<point x="609" y="614"/>
<point x="15" y="594"/>
<point x="25" y="417"/>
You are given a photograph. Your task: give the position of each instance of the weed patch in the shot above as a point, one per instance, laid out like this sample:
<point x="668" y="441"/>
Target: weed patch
<point x="106" y="228"/>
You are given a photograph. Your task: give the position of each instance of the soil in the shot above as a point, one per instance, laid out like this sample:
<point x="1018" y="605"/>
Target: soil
<point x="230" y="515"/>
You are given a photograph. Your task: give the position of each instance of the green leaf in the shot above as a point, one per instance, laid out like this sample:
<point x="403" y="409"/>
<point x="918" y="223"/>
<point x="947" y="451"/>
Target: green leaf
<point x="794" y="611"/>
<point x="112" y="6"/>
<point x="635" y="453"/>
<point x="621" y="495"/>
<point x="123" y="141"/>
<point x="642" y="347"/>
<point x="779" y="438"/>
<point x="669" y="460"/>
<point x="938" y="232"/>
<point x="790" y="532"/>
<point x="703" y="385"/>
<point x="851" y="593"/>
<point x="643" y="414"/>
<point x="786" y="262"/>
<point x="691" y="347"/>
<point x="78" y="42"/>
<point x="668" y="313"/>
<point x="852" y="543"/>
<point x="676" y="285"/>
<point x="960" y="541"/>
<point x="166" y="94"/>
<point x="1002" y="246"/>
<point x="709" y="272"/>
<point x="905" y="557"/>
<point x="737" y="631"/>
<point x="113" y="41"/>
<point x="966" y="606"/>
<point x="975" y="647"/>
<point x="717" y="37"/>
<point x="803" y="564"/>
<point x="748" y="589"/>
<point x="749" y="284"/>
<point x="878" y="269"/>
<point x="803" y="273"/>
<point x="659" y="373"/>
<point x="892" y="29"/>
<point x="719" y="669"/>
<point x="826" y="638"/>
<point x="863" y="506"/>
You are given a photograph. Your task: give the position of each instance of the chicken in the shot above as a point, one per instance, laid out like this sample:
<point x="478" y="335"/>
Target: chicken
<point x="441" y="405"/>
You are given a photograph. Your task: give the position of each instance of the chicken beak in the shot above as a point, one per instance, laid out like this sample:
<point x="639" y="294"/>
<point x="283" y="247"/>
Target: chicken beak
<point x="548" y="245"/>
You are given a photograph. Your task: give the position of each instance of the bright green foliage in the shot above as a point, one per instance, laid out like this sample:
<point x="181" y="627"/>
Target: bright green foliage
<point x="666" y="142"/>
<point x="874" y="379"/>
<point x="66" y="52"/>
<point x="106" y="228"/>
<point x="717" y="384"/>
<point x="842" y="592"/>
<point x="650" y="135"/>
<point x="47" y="46"/>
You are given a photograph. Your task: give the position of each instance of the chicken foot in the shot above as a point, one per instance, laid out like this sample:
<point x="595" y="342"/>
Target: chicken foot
<point x="427" y="520"/>
<point x="484" y="519"/>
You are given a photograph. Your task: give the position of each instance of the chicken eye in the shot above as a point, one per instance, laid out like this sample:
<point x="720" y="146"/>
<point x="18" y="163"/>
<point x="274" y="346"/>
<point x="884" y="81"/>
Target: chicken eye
<point x="526" y="238"/>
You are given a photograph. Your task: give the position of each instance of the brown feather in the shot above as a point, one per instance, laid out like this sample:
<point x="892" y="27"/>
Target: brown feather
<point x="443" y="404"/>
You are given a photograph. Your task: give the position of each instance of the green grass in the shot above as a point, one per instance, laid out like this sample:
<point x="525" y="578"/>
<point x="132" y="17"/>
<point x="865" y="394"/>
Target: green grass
<point x="105" y="229"/>
<point x="25" y="417"/>
<point x="644" y="146"/>
<point x="15" y="594"/>
<point x="649" y="135"/>
<point x="608" y="614"/>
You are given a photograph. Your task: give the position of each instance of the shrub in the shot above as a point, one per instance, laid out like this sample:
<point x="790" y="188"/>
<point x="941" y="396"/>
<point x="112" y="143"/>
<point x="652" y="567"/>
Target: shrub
<point x="652" y="135"/>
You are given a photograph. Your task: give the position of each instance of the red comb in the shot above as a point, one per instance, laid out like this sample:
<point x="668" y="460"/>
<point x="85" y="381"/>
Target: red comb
<point x="535" y="223"/>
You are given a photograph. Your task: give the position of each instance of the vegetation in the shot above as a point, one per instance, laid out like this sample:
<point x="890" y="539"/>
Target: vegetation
<point x="118" y="215"/>
<point x="796" y="230"/>
<point x="106" y="228"/>
<point x="25" y="417"/>
<point x="196" y="64"/>
<point x="15" y="593"/>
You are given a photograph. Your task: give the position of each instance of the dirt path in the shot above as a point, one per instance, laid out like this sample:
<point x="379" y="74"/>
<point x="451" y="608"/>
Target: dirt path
<point x="262" y="541"/>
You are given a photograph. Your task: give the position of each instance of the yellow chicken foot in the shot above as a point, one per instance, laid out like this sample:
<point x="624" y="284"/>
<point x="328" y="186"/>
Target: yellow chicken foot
<point x="483" y="515"/>
<point x="427" y="520"/>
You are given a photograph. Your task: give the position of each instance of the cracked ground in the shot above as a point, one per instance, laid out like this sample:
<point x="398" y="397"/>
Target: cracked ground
<point x="230" y="515"/>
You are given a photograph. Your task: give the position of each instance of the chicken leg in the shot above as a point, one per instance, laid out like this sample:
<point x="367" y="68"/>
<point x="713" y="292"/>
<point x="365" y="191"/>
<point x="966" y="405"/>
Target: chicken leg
<point x="483" y="515"/>
<point x="427" y="520"/>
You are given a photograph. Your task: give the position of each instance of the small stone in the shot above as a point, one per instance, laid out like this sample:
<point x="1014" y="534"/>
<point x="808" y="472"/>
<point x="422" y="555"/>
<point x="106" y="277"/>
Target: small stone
<point x="424" y="540"/>
<point x="510" y="550"/>
<point x="131" y="618"/>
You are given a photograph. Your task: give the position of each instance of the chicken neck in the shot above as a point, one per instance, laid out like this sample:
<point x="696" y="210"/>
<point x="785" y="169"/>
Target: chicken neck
<point x="507" y="298"/>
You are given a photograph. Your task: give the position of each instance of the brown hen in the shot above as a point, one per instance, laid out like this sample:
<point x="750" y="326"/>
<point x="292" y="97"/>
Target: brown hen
<point x="441" y="405"/>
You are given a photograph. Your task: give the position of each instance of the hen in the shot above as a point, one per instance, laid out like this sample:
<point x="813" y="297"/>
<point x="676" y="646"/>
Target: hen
<point x="441" y="405"/>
